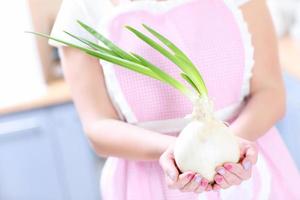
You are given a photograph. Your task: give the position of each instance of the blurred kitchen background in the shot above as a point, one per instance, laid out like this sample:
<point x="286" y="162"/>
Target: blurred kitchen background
<point x="44" y="154"/>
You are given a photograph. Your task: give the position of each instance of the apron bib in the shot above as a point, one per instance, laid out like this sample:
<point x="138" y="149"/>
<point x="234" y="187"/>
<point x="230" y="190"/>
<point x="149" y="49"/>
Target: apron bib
<point x="207" y="30"/>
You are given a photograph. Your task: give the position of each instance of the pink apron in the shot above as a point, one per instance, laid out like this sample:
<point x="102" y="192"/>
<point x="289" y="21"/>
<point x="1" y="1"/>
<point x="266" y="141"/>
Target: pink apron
<point x="215" y="37"/>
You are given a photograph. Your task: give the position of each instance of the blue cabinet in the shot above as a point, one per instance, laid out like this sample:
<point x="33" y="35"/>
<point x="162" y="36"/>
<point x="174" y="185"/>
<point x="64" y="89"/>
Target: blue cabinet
<point x="44" y="154"/>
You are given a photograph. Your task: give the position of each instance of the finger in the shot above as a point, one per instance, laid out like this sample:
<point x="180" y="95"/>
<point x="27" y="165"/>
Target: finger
<point x="208" y="188"/>
<point x="236" y="169"/>
<point x="251" y="155"/>
<point x="216" y="187"/>
<point x="247" y="164"/>
<point x="203" y="186"/>
<point x="220" y="180"/>
<point x="168" y="165"/>
<point x="249" y="160"/>
<point x="193" y="184"/>
<point x="228" y="176"/>
<point x="184" y="179"/>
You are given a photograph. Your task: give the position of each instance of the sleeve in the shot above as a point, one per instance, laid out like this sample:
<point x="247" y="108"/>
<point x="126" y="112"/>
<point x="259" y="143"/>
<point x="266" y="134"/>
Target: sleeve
<point x="87" y="11"/>
<point x="240" y="2"/>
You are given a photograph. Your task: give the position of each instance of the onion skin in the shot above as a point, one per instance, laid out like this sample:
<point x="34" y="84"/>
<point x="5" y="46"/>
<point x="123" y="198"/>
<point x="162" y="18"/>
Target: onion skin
<point x="203" y="145"/>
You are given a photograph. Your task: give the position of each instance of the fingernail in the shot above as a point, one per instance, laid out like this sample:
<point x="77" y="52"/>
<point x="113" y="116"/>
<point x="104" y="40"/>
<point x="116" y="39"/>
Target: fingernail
<point x="219" y="179"/>
<point x="221" y="171"/>
<point x="247" y="165"/>
<point x="172" y="175"/>
<point x="198" y="179"/>
<point x="228" y="167"/>
<point x="190" y="176"/>
<point x="204" y="183"/>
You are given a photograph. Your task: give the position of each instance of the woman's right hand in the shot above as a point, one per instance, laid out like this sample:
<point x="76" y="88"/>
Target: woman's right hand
<point x="185" y="182"/>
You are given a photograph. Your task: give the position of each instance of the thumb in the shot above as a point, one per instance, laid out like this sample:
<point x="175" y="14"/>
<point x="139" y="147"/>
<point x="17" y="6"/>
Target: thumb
<point x="250" y="157"/>
<point x="167" y="162"/>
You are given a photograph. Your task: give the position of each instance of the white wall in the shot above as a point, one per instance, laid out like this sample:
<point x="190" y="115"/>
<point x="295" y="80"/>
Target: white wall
<point x="20" y="70"/>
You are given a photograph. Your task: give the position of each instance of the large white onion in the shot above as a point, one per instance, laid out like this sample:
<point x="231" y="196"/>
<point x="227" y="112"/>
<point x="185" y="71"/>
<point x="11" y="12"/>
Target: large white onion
<point x="204" y="144"/>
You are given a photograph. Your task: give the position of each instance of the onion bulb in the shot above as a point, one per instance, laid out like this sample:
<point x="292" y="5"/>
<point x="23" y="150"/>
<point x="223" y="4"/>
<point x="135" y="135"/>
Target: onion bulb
<point x="204" y="144"/>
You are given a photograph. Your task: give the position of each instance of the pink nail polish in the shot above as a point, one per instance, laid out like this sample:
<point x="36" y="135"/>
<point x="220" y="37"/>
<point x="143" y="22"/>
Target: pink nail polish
<point x="219" y="179"/>
<point x="204" y="183"/>
<point x="190" y="176"/>
<point x="247" y="165"/>
<point x="221" y="171"/>
<point x="228" y="167"/>
<point x="197" y="179"/>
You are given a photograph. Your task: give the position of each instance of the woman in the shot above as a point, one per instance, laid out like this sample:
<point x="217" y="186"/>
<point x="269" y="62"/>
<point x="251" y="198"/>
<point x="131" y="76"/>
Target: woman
<point x="127" y="116"/>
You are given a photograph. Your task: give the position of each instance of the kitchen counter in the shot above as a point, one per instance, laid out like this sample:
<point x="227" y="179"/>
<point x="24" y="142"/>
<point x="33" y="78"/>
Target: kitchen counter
<point x="57" y="93"/>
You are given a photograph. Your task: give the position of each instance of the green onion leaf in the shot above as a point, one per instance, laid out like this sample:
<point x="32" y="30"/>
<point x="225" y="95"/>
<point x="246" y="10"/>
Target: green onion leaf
<point x="179" y="54"/>
<point x="168" y="43"/>
<point x="107" y="57"/>
<point x="107" y="42"/>
<point x="134" y="62"/>
<point x="189" y="81"/>
<point x="181" y="63"/>
<point x="91" y="44"/>
<point x="165" y="77"/>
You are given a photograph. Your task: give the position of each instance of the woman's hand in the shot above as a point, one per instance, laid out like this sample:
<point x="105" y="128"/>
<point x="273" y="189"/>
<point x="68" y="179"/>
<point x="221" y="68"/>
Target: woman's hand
<point x="185" y="182"/>
<point x="235" y="173"/>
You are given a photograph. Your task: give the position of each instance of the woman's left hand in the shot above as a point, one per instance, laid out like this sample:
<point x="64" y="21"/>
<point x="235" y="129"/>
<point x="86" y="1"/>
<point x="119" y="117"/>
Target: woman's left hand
<point x="235" y="173"/>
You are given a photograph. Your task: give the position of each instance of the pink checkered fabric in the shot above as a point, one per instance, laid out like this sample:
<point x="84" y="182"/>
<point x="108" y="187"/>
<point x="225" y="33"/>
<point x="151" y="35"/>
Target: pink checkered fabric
<point x="219" y="57"/>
